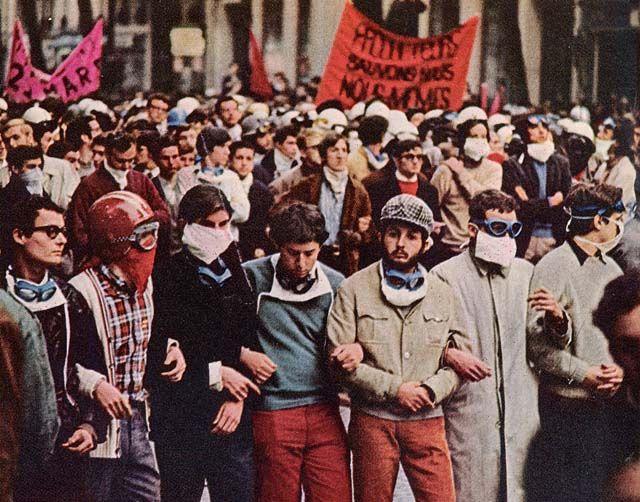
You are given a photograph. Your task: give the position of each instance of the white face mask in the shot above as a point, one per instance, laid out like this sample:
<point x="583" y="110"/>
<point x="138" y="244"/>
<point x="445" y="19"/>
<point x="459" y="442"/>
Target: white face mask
<point x="498" y="250"/>
<point x="32" y="178"/>
<point x="606" y="247"/>
<point x="541" y="151"/>
<point x="476" y="148"/>
<point x="602" y="149"/>
<point x="206" y="243"/>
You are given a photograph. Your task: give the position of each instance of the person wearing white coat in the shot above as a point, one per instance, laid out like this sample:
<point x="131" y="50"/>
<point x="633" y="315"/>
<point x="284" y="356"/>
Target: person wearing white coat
<point x="492" y="419"/>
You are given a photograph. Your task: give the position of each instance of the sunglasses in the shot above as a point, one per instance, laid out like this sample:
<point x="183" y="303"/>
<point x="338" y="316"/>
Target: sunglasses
<point x="145" y="236"/>
<point x="411" y="156"/>
<point x="52" y="231"/>
<point x="499" y="228"/>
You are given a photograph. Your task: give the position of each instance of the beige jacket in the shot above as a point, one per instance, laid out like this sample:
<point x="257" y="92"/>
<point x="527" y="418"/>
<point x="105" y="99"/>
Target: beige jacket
<point x="397" y="348"/>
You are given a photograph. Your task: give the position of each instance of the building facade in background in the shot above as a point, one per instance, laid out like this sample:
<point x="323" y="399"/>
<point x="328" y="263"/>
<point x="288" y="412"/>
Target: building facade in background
<point x="560" y="51"/>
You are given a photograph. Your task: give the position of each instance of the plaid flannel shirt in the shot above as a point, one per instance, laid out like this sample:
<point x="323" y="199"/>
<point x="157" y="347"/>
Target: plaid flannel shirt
<point x="129" y="317"/>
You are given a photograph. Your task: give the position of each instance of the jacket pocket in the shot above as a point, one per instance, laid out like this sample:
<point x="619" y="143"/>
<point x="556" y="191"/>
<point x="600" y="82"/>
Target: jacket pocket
<point x="436" y="328"/>
<point x="373" y="327"/>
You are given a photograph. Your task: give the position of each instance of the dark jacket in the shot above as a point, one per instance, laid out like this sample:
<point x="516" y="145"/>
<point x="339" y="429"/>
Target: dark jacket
<point x="383" y="185"/>
<point x="96" y="185"/>
<point x="536" y="210"/>
<point x="265" y="172"/>
<point x="84" y="349"/>
<point x="210" y="323"/>
<point x="356" y="205"/>
<point x="253" y="231"/>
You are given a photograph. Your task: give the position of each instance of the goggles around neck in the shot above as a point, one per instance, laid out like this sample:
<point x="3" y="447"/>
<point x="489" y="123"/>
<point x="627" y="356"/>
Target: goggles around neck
<point x="535" y="120"/>
<point x="296" y="286"/>
<point x="30" y="292"/>
<point x="400" y="280"/>
<point x="498" y="227"/>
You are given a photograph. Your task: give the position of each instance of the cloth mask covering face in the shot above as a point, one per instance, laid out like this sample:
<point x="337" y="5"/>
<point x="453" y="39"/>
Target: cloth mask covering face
<point x="476" y="148"/>
<point x="541" y="151"/>
<point x="137" y="265"/>
<point x="403" y="297"/>
<point x="602" y="149"/>
<point x="606" y="247"/>
<point x="206" y="243"/>
<point x="32" y="178"/>
<point x="498" y="250"/>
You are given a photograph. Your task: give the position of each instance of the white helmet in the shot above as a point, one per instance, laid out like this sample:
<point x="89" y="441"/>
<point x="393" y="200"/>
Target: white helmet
<point x="377" y="108"/>
<point x="287" y="118"/>
<point x="188" y="104"/>
<point x="565" y="123"/>
<point x="399" y="128"/>
<point x="496" y="119"/>
<point x="35" y="115"/>
<point x="581" y="129"/>
<point x="471" y="113"/>
<point x="259" y="110"/>
<point x="332" y="118"/>
<point x="357" y="110"/>
<point x="433" y="114"/>
<point x="580" y="114"/>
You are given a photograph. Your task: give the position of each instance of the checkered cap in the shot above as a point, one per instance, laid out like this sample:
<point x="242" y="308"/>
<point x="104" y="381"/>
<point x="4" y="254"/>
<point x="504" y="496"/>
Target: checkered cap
<point x="409" y="209"/>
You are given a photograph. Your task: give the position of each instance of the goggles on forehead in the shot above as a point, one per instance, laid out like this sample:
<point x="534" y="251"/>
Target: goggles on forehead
<point x="499" y="228"/>
<point x="591" y="211"/>
<point x="143" y="236"/>
<point x="535" y="120"/>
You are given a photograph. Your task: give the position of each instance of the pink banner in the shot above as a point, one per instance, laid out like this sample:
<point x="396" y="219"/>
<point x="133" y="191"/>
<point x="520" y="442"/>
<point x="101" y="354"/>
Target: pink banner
<point x="79" y="74"/>
<point x="22" y="84"/>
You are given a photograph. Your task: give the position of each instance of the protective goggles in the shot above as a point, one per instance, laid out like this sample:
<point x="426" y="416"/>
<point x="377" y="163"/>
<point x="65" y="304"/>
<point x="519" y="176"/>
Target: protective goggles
<point x="35" y="292"/>
<point x="535" y="120"/>
<point x="499" y="228"/>
<point x="145" y="236"/>
<point x="591" y="211"/>
<point x="399" y="280"/>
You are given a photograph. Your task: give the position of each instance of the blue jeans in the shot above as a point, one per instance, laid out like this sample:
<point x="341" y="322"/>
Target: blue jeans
<point x="133" y="476"/>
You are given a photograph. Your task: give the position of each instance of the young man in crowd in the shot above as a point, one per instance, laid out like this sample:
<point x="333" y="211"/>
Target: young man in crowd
<point x="187" y="155"/>
<point x="82" y="132"/>
<point x="157" y="110"/>
<point x="539" y="180"/>
<point x="492" y="419"/>
<point x="404" y="319"/>
<point x="253" y="240"/>
<point x="299" y="439"/>
<point x="123" y="235"/>
<point x="117" y="173"/>
<point x="145" y="144"/>
<point x="34" y="245"/>
<point x="578" y="375"/>
<point x="228" y="113"/>
<point x="282" y="158"/>
<point x="369" y="158"/>
<point x="213" y="148"/>
<point x="25" y="165"/>
<point x="199" y="432"/>
<point x="457" y="180"/>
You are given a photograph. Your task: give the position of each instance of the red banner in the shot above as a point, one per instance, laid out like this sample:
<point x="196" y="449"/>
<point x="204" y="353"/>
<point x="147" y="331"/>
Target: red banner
<point x="368" y="61"/>
<point x="22" y="84"/>
<point x="259" y="83"/>
<point x="77" y="76"/>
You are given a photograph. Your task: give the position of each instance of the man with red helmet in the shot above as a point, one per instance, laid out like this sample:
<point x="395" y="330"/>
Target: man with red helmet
<point x="123" y="235"/>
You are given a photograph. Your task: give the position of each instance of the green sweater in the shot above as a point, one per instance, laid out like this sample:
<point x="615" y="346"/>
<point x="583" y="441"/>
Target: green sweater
<point x="293" y="335"/>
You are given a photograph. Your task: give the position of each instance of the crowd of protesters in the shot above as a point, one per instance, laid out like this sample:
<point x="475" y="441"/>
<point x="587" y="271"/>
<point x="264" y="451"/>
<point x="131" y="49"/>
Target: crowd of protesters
<point x="192" y="288"/>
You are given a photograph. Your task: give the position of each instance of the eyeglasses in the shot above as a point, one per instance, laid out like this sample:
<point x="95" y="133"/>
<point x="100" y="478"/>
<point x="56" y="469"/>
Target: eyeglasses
<point x="52" y="231"/>
<point x="411" y="156"/>
<point x="145" y="236"/>
<point x="499" y="228"/>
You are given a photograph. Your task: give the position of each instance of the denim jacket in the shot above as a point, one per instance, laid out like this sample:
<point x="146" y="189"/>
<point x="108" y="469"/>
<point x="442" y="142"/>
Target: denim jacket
<point x="40" y="422"/>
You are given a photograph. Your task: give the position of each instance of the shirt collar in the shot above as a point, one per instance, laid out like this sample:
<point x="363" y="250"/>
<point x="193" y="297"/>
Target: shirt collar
<point x="580" y="253"/>
<point x="119" y="285"/>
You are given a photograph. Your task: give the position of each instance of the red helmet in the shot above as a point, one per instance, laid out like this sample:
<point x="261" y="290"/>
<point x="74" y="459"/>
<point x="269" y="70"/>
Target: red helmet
<point x="112" y="220"/>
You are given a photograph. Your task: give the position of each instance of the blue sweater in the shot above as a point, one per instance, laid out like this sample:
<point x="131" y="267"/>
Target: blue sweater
<point x="293" y="335"/>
